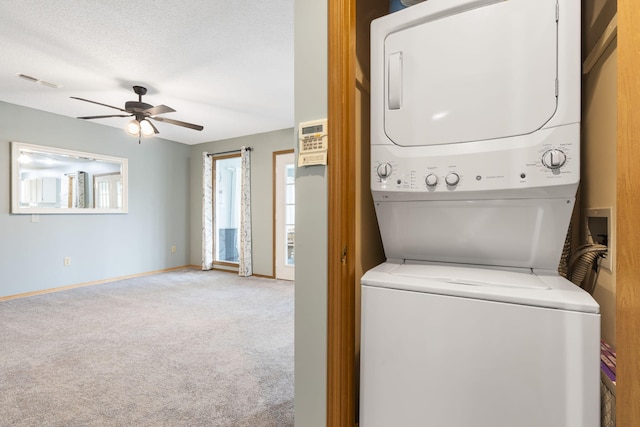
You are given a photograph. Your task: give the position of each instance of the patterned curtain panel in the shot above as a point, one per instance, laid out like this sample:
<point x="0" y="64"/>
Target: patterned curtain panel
<point x="245" y="267"/>
<point x="82" y="185"/>
<point x="207" y="212"/>
<point x="73" y="190"/>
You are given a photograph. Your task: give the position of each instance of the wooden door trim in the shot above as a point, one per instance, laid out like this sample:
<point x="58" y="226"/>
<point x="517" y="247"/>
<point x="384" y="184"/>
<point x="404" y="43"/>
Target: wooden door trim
<point x="628" y="227"/>
<point x="341" y="357"/>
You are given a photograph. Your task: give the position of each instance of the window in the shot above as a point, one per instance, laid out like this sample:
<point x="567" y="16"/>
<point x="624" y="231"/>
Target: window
<point x="226" y="199"/>
<point x="290" y="213"/>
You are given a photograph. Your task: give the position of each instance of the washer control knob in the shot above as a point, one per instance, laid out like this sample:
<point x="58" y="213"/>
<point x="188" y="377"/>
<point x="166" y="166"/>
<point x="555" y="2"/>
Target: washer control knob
<point x="554" y="159"/>
<point x="384" y="170"/>
<point x="431" y="180"/>
<point x="452" y="179"/>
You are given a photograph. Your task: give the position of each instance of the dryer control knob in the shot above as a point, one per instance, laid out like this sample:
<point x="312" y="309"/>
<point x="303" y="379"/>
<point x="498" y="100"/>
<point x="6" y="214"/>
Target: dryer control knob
<point x="431" y="180"/>
<point x="452" y="179"/>
<point x="384" y="170"/>
<point x="554" y="159"/>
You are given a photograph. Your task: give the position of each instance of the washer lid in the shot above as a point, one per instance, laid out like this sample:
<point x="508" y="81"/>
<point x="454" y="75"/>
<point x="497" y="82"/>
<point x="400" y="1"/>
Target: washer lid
<point x="525" y="288"/>
<point x="467" y="276"/>
<point x="455" y="75"/>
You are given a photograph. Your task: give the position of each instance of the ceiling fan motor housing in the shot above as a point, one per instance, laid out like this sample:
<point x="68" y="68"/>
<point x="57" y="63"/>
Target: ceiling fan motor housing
<point x="136" y="106"/>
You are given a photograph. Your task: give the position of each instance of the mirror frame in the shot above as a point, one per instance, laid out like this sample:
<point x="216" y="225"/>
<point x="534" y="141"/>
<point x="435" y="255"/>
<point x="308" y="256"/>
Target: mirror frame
<point x="17" y="147"/>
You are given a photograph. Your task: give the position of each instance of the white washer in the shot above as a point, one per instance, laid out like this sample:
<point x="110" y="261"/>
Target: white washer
<point x="456" y="346"/>
<point x="475" y="162"/>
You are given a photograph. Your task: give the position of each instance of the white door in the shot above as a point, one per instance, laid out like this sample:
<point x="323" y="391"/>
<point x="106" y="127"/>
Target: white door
<point x="284" y="216"/>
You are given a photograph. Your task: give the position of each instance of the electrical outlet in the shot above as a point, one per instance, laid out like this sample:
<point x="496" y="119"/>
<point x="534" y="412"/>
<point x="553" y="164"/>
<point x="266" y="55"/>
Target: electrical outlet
<point x="67" y="261"/>
<point x="173" y="249"/>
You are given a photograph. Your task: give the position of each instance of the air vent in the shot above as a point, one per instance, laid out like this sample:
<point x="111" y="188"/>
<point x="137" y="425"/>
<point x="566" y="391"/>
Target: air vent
<point x="39" y="81"/>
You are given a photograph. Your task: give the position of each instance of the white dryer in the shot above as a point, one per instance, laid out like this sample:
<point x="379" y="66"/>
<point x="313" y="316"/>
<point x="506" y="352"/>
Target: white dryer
<point x="475" y="161"/>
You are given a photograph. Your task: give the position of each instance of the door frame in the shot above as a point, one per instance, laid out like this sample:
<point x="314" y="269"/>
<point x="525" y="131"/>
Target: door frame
<point x="627" y="226"/>
<point x="273" y="205"/>
<point x="341" y="171"/>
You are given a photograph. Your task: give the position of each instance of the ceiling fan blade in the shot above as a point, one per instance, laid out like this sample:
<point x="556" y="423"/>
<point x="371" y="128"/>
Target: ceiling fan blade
<point x="99" y="103"/>
<point x="178" y="123"/>
<point x="104" y="117"/>
<point x="158" y="109"/>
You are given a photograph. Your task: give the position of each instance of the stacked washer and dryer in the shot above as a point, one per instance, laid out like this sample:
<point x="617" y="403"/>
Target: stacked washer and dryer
<point x="475" y="158"/>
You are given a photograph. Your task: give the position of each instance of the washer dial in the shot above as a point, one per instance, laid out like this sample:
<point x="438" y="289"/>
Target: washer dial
<point x="431" y="180"/>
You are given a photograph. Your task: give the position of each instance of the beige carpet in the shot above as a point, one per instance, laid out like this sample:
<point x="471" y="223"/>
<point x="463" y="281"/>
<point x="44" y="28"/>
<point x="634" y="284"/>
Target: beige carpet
<point x="183" y="348"/>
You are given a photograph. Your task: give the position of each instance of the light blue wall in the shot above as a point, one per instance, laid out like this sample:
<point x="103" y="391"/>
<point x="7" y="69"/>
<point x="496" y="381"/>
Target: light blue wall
<point x="310" y="52"/>
<point x="263" y="144"/>
<point x="100" y="246"/>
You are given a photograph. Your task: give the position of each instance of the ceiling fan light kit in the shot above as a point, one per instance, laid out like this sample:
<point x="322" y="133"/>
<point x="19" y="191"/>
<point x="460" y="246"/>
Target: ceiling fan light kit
<point x="133" y="127"/>
<point x="141" y="113"/>
<point x="146" y="128"/>
<point x="141" y="127"/>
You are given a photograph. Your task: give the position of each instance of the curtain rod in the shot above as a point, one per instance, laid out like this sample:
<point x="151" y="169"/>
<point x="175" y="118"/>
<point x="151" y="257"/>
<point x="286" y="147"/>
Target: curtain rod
<point x="229" y="152"/>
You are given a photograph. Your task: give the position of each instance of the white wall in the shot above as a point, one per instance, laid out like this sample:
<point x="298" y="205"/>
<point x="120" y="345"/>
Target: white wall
<point x="263" y="144"/>
<point x="310" y="53"/>
<point x="100" y="246"/>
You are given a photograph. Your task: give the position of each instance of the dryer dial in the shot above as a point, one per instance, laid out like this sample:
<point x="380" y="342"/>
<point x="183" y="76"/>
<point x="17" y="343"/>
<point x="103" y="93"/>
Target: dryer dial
<point x="431" y="180"/>
<point x="384" y="170"/>
<point x="554" y="159"/>
<point x="452" y="179"/>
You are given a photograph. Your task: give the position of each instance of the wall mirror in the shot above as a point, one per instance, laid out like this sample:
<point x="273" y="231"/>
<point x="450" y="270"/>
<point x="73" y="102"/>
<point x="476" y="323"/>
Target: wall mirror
<point x="57" y="181"/>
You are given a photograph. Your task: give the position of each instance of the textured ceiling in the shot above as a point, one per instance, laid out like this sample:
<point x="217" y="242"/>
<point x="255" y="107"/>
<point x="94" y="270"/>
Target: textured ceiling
<point x="226" y="65"/>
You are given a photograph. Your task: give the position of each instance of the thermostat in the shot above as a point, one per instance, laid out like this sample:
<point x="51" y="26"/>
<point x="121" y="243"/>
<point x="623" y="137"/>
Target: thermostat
<point x="313" y="143"/>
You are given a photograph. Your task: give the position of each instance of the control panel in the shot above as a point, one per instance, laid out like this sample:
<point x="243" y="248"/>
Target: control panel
<point x="550" y="161"/>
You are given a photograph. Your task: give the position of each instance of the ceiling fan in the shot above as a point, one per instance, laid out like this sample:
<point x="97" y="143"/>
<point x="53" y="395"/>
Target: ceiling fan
<point x="142" y="112"/>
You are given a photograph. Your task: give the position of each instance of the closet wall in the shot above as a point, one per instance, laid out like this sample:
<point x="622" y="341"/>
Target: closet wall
<point x="598" y="175"/>
<point x="368" y="244"/>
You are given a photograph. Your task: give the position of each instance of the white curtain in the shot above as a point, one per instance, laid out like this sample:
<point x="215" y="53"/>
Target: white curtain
<point x="207" y="212"/>
<point x="245" y="267"/>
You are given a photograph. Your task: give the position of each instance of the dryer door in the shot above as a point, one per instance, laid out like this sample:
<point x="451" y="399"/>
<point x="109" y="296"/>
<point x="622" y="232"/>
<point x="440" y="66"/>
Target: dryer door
<point x="485" y="73"/>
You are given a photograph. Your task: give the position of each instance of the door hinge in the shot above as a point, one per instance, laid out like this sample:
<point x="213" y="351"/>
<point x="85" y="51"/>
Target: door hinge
<point x="557" y="87"/>
<point x="343" y="258"/>
<point x="557" y="11"/>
